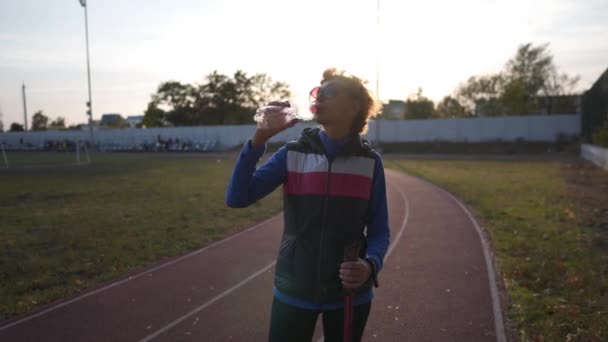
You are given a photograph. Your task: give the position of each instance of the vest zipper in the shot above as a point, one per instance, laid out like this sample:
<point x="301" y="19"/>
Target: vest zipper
<point x="326" y="199"/>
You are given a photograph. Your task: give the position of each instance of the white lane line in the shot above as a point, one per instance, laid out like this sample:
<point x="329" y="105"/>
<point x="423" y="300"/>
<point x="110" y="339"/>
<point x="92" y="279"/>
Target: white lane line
<point x="498" y="317"/>
<point x="213" y="300"/>
<point x="253" y="276"/>
<point x="189" y="255"/>
<point x="406" y="205"/>
<point x="405" y="220"/>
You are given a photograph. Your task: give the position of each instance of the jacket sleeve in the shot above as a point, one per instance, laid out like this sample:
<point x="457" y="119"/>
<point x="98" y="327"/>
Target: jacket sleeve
<point x="378" y="232"/>
<point x="247" y="185"/>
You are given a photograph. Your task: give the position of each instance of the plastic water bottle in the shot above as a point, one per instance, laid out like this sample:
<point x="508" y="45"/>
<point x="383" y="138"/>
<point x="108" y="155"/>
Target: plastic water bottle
<point x="275" y="115"/>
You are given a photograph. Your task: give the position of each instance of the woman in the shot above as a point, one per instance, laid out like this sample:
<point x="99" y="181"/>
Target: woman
<point x="334" y="198"/>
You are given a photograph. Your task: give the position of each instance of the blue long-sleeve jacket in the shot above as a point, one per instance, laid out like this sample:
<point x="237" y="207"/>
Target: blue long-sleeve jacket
<point x="248" y="185"/>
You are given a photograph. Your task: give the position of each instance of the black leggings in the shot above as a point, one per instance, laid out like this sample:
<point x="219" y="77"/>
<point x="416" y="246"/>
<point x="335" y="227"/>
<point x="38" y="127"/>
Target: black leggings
<point x="289" y="323"/>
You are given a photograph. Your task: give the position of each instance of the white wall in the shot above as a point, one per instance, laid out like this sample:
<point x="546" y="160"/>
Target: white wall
<point x="595" y="154"/>
<point x="509" y="128"/>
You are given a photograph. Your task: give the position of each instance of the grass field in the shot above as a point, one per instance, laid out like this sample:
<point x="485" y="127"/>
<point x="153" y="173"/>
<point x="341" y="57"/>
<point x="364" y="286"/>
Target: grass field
<point x="548" y="223"/>
<point x="63" y="229"/>
<point x="38" y="159"/>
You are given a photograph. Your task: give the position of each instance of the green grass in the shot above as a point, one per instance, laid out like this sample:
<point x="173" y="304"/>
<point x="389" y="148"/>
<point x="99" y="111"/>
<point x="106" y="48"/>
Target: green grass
<point x="36" y="159"/>
<point x="565" y="147"/>
<point x="64" y="229"/>
<point x="555" y="273"/>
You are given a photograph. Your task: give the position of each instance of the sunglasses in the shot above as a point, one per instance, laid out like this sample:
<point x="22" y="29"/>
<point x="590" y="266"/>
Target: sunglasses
<point x="323" y="93"/>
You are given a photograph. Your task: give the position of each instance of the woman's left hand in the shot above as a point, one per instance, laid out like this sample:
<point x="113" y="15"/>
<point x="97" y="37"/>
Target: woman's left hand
<point x="355" y="273"/>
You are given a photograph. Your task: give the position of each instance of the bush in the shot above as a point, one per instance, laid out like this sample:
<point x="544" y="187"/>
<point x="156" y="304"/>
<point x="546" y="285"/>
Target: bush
<point x="600" y="138"/>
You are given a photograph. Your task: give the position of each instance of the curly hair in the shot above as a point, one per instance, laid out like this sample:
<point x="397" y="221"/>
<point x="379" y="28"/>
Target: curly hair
<point x="369" y="104"/>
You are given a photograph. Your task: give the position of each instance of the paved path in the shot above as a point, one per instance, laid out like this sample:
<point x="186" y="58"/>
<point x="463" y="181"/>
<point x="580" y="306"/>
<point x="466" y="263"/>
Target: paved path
<point x="436" y="285"/>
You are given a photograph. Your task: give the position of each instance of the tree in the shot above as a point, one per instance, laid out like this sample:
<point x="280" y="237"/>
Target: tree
<point x="419" y="107"/>
<point x="154" y="116"/>
<point x="1" y="127"/>
<point x="450" y="107"/>
<point x="263" y="89"/>
<point x="531" y="74"/>
<point x="481" y="91"/>
<point x="39" y="121"/>
<point x="58" y="123"/>
<point x="526" y="78"/>
<point x="217" y="98"/>
<point x="178" y="99"/>
<point x="15" y="127"/>
<point x="174" y="95"/>
<point x="233" y="100"/>
<point x="533" y="67"/>
<point x="220" y="100"/>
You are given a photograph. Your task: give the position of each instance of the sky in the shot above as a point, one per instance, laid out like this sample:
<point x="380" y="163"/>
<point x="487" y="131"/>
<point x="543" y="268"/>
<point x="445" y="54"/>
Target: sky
<point x="137" y="44"/>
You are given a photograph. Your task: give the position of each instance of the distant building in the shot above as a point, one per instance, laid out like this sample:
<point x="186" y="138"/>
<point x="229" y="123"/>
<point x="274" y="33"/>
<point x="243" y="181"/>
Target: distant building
<point x="135" y="120"/>
<point x="107" y="119"/>
<point x="394" y="110"/>
<point x="113" y="120"/>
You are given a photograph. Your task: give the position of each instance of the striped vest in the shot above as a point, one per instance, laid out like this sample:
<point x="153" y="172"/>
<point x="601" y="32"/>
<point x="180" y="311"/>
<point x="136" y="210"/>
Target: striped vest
<point x="326" y="207"/>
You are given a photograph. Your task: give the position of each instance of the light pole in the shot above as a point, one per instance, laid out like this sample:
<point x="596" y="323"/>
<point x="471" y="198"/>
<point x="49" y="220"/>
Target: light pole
<point x="24" y="108"/>
<point x="89" y="103"/>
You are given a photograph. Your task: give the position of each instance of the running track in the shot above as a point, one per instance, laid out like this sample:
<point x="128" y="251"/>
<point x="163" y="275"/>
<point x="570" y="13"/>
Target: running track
<point x="437" y="285"/>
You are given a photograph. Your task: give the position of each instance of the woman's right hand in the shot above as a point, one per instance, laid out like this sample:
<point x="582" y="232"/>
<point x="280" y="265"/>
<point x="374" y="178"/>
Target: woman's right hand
<point x="263" y="134"/>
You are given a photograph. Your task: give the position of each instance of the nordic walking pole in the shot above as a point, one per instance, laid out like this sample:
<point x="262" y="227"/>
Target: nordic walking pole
<point x="348" y="318"/>
<point x="351" y="253"/>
